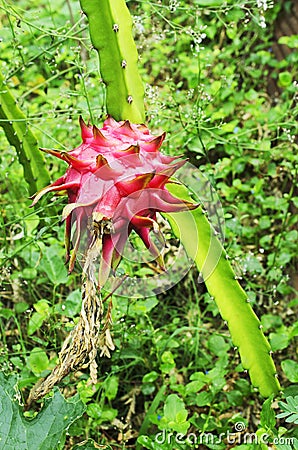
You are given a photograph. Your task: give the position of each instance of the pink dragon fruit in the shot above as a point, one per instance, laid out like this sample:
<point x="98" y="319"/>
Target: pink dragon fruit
<point x="117" y="180"/>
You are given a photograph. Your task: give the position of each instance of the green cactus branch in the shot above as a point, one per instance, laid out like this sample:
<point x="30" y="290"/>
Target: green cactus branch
<point x="18" y="134"/>
<point x="200" y="242"/>
<point x="110" y="28"/>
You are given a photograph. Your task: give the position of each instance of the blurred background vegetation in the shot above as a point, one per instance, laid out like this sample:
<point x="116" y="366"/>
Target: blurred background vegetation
<point x="220" y="79"/>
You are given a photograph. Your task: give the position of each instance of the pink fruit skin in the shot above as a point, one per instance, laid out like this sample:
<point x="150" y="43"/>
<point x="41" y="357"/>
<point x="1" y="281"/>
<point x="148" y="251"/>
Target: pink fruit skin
<point x="117" y="179"/>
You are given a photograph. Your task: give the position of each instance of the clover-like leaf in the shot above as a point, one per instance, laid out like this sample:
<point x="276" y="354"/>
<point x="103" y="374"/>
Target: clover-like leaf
<point x="290" y="408"/>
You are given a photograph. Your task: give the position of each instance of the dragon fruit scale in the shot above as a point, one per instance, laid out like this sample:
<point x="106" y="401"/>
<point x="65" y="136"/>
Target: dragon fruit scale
<point x="116" y="180"/>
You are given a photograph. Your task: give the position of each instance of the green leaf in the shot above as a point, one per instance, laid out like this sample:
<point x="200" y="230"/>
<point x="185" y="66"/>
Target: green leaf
<point x="271" y="321"/>
<point x="194" y="386"/>
<point x="279" y="340"/>
<point x="150" y="377"/>
<point x="42" y="307"/>
<point x="267" y="415"/>
<point x="175" y="414"/>
<point x="46" y="430"/>
<point x="37" y="361"/>
<point x="285" y="79"/>
<point x="94" y="410"/>
<point x="29" y="273"/>
<point x="168" y="362"/>
<point x="31" y="222"/>
<point x="215" y="87"/>
<point x="168" y="358"/>
<point x="290" y="41"/>
<point x="204" y="398"/>
<point x="107" y="415"/>
<point x="217" y="345"/>
<point x="85" y="391"/>
<point x="21" y="307"/>
<point x="290" y="369"/>
<point x="52" y="264"/>
<point x="111" y="387"/>
<point x="143" y="306"/>
<point x="290" y="409"/>
<point x="6" y="313"/>
<point x="229" y="126"/>
<point x="200" y="242"/>
<point x="71" y="307"/>
<point x="35" y="322"/>
<point x="42" y="313"/>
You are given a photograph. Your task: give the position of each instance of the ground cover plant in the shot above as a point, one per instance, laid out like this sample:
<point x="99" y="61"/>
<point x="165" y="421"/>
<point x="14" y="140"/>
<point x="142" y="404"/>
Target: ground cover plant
<point x="211" y="98"/>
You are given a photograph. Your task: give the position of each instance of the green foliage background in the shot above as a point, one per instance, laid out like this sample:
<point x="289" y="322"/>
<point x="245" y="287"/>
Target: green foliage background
<point x="207" y="68"/>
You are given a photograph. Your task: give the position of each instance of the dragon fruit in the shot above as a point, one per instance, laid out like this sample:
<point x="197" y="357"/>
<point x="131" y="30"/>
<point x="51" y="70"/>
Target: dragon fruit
<point x="116" y="183"/>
